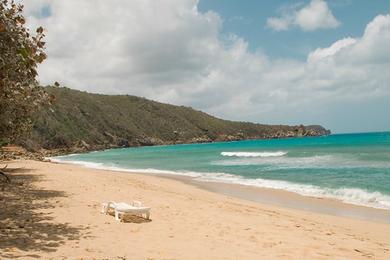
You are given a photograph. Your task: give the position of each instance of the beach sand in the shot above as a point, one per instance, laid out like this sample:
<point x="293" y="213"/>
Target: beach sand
<point x="53" y="211"/>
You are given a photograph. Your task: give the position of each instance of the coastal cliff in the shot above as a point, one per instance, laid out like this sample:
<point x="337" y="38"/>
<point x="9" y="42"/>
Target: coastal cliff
<point x="79" y="121"/>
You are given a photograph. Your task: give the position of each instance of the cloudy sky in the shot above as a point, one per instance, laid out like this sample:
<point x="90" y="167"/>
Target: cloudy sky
<point x="277" y="62"/>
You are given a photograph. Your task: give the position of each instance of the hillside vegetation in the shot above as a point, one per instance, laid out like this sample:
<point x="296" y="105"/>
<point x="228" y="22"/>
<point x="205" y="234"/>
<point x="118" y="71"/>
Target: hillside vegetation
<point x="84" y="121"/>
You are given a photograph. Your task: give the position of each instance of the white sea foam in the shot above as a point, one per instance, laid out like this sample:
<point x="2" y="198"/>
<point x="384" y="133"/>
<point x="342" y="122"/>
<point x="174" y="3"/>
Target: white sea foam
<point x="279" y="162"/>
<point x="348" y="195"/>
<point x="310" y="162"/>
<point x="102" y="166"/>
<point x="254" y="154"/>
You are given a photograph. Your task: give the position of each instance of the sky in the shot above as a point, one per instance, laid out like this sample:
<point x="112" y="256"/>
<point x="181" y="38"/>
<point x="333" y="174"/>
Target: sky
<point x="275" y="62"/>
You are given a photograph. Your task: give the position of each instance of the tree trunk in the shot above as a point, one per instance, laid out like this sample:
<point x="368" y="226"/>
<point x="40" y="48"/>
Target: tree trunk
<point x="7" y="179"/>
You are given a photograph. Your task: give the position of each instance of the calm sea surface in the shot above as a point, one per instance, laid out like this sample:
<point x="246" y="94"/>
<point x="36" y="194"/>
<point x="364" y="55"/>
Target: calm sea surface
<point x="354" y="168"/>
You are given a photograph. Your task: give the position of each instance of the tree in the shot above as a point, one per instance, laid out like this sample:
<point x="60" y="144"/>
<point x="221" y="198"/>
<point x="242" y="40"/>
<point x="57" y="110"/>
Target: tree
<point x="20" y="53"/>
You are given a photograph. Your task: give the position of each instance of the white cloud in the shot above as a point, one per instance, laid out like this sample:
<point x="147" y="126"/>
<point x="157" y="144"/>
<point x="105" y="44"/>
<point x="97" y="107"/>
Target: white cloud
<point x="279" y="24"/>
<point x="171" y="52"/>
<point x="316" y="15"/>
<point x="322" y="53"/>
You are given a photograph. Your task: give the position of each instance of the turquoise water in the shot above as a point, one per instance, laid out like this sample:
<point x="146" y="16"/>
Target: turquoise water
<point x="354" y="168"/>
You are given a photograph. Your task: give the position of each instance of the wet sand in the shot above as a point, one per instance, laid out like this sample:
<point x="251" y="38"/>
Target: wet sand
<point x="292" y="200"/>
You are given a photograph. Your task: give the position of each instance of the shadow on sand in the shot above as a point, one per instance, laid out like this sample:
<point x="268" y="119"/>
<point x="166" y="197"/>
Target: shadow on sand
<point x="22" y="225"/>
<point x="130" y="218"/>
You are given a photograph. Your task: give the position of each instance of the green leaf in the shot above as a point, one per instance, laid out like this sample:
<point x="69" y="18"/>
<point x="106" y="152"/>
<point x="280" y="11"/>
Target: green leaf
<point x="24" y="52"/>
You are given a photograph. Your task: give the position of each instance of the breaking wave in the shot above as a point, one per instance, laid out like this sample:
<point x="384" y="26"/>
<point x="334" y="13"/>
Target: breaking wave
<point x="254" y="154"/>
<point x="354" y="196"/>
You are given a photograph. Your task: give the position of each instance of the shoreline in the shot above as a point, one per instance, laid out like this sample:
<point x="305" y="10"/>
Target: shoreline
<point x="291" y="200"/>
<point x="58" y="152"/>
<point x="52" y="210"/>
<point x="271" y="196"/>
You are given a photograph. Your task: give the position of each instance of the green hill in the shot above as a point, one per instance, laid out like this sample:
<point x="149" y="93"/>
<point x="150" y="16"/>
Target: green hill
<point x="84" y="121"/>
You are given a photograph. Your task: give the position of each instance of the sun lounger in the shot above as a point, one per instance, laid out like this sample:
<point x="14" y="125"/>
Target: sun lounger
<point x="107" y="206"/>
<point x="121" y="209"/>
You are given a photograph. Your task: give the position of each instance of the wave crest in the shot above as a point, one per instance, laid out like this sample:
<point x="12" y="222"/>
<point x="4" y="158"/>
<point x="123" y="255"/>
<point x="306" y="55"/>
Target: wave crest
<point x="254" y="154"/>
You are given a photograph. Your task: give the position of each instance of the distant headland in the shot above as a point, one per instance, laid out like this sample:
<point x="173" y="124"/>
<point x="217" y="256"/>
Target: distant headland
<point x="79" y="121"/>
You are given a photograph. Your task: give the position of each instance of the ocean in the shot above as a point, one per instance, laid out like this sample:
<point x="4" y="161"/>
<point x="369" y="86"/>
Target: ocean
<point x="353" y="168"/>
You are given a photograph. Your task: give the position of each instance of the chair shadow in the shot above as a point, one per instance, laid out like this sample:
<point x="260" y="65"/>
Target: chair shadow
<point x="22" y="226"/>
<point x="128" y="218"/>
<point x="135" y="219"/>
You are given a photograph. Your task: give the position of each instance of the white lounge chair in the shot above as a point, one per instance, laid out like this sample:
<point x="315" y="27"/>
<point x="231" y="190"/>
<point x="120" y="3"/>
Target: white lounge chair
<point x="121" y="209"/>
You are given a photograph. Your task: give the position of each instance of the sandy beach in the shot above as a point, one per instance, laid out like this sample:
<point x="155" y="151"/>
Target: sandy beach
<point x="52" y="211"/>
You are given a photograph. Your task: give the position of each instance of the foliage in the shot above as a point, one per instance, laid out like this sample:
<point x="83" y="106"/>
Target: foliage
<point x="20" y="53"/>
<point x="101" y="121"/>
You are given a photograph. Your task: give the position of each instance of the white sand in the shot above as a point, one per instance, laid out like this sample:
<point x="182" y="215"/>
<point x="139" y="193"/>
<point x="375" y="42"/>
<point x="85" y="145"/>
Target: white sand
<point x="187" y="223"/>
